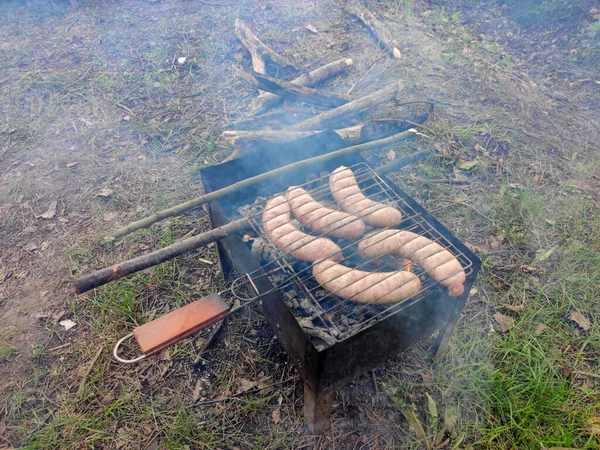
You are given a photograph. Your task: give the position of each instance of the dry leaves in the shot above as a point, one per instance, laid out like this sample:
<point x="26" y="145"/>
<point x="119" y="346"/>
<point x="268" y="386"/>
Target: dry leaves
<point x="503" y="323"/>
<point x="72" y="164"/>
<point x="105" y="192"/>
<point x="581" y="320"/>
<point x="310" y="27"/>
<point x="50" y="211"/>
<point x="391" y="155"/>
<point x="539" y="328"/>
<point x="67" y="324"/>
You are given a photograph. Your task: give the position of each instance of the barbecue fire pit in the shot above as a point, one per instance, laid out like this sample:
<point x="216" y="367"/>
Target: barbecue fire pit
<point x="331" y="340"/>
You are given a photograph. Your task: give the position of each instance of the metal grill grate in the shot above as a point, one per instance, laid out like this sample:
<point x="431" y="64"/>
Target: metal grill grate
<point x="342" y="318"/>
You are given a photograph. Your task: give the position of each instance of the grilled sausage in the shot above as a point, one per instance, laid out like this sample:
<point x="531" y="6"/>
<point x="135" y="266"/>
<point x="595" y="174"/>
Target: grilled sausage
<point x="349" y="197"/>
<point x="320" y="219"/>
<point x="377" y="288"/>
<point x="439" y="262"/>
<point x="277" y="223"/>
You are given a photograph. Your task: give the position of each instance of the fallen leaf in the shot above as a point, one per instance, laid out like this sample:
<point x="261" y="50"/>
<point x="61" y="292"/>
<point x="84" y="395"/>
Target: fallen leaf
<point x="528" y="269"/>
<point x="539" y="328"/>
<point x="310" y="27"/>
<point x="44" y="246"/>
<point x="276" y="415"/>
<point x="51" y="211"/>
<point x="544" y="255"/>
<point x="105" y="192"/>
<point x="67" y="324"/>
<point x="245" y="385"/>
<point x="467" y="165"/>
<point x="551" y="222"/>
<point x="581" y="320"/>
<point x="72" y="164"/>
<point x="474" y="291"/>
<point x="391" y="155"/>
<point x="30" y="247"/>
<point x="110" y="216"/>
<point x="503" y="323"/>
<point x="43" y="293"/>
<point x="479" y="148"/>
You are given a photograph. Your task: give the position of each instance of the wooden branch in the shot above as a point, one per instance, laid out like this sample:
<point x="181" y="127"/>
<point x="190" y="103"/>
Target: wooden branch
<point x="103" y="276"/>
<point x="277" y="118"/>
<point x="295" y="91"/>
<point x="194" y="203"/>
<point x="331" y="118"/>
<point x="377" y="27"/>
<point x="258" y="50"/>
<point x="267" y="100"/>
<point x="358" y="134"/>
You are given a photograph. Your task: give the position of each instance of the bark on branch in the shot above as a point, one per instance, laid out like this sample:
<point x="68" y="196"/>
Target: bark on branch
<point x="267" y="100"/>
<point x="377" y="27"/>
<point x="329" y="119"/>
<point x="358" y="134"/>
<point x="295" y="91"/>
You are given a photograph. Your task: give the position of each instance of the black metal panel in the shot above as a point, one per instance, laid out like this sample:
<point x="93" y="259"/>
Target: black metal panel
<point x="344" y="361"/>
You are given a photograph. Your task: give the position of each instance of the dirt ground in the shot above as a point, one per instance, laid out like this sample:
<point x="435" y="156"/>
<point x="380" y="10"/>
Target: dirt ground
<point x="101" y="123"/>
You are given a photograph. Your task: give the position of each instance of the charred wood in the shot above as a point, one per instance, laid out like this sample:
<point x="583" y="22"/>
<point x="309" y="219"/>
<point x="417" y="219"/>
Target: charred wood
<point x="295" y="91"/>
<point x="267" y="100"/>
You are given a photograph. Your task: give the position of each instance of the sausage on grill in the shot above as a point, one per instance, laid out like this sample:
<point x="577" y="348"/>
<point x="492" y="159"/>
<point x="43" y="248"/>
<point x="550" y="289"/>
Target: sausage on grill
<point x="376" y="288"/>
<point x="320" y="219"/>
<point x="349" y="197"/>
<point x="437" y="261"/>
<point x="277" y="223"/>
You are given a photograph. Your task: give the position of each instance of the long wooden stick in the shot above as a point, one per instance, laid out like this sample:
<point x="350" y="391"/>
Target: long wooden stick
<point x="267" y="100"/>
<point x="377" y="27"/>
<point x="357" y="134"/>
<point x="178" y="209"/>
<point x="292" y="90"/>
<point x="103" y="276"/>
<point x="333" y="117"/>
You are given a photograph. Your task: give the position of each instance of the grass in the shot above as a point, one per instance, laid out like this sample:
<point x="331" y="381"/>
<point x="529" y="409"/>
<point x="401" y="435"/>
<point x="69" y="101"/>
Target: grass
<point x="527" y="388"/>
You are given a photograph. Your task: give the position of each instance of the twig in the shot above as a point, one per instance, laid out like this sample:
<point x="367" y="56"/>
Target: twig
<point x="375" y="382"/>
<point x="586" y="374"/>
<point x="122" y="106"/>
<point x="209" y="342"/>
<point x="443" y="181"/>
<point x="58" y="347"/>
<point x="194" y="203"/>
<point x="88" y="371"/>
<point x="249" y="391"/>
<point x="365" y="74"/>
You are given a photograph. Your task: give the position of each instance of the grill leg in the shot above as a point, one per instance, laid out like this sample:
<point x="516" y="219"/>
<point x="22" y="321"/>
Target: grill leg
<point x="317" y="409"/>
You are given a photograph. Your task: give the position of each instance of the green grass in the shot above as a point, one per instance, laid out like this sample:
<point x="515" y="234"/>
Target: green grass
<point x="521" y="389"/>
<point x="6" y="351"/>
